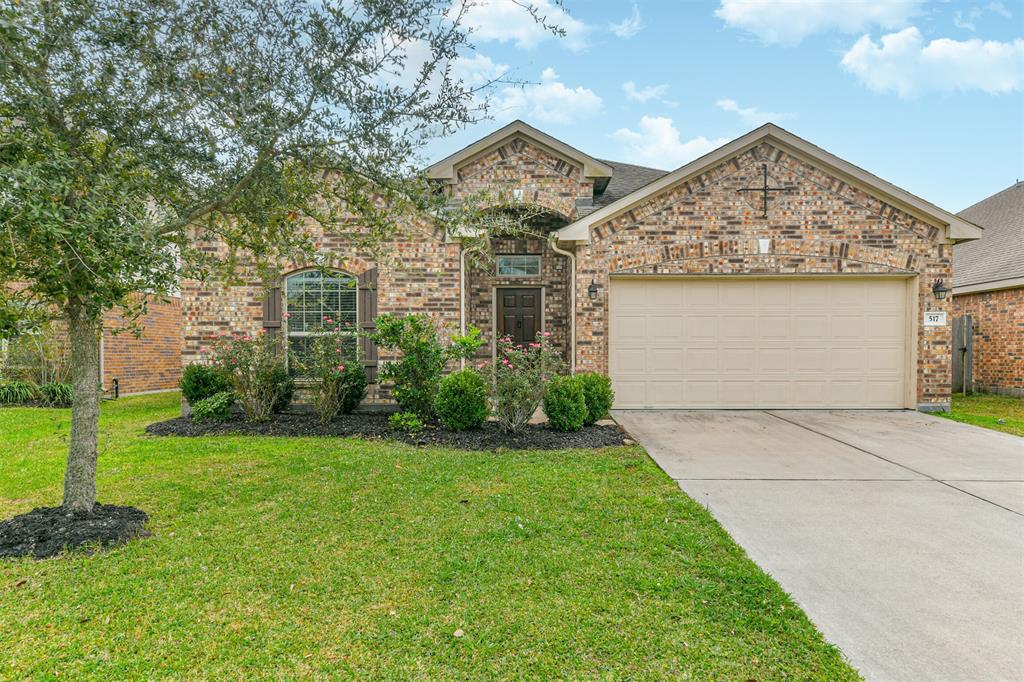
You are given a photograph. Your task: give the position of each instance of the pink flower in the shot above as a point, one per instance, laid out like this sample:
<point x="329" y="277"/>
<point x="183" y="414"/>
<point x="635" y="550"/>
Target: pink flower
<point x="204" y="349"/>
<point x="545" y="333"/>
<point x="286" y="315"/>
<point x="341" y="368"/>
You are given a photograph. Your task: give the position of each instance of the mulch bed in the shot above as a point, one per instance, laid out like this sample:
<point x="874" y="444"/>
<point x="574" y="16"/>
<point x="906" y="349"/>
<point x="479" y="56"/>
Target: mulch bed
<point x="47" y="531"/>
<point x="375" y="426"/>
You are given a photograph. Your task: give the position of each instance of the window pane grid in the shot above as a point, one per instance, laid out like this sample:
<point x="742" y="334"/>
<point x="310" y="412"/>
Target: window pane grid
<point x="518" y="266"/>
<point x="309" y="298"/>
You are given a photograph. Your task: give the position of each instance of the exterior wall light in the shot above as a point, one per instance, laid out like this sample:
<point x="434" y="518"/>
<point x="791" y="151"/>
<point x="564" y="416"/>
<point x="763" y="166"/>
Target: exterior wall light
<point x="940" y="290"/>
<point x="592" y="290"/>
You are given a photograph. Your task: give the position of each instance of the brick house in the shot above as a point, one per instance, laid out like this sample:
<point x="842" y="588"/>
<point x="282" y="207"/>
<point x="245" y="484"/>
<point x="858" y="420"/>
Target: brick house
<point x="768" y="273"/>
<point x="988" y="285"/>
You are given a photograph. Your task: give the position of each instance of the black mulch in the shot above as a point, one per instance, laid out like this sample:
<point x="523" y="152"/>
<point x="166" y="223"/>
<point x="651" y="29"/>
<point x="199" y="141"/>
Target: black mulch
<point x="375" y="426"/>
<point x="47" y="531"/>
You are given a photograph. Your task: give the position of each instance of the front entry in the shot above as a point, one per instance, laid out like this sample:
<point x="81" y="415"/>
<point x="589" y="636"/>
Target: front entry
<point x="519" y="314"/>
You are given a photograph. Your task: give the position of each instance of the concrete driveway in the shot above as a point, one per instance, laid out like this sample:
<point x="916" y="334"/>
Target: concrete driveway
<point x="899" y="533"/>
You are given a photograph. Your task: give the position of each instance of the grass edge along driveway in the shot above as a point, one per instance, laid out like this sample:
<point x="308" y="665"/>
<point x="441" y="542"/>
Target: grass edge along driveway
<point x="276" y="557"/>
<point x="986" y="410"/>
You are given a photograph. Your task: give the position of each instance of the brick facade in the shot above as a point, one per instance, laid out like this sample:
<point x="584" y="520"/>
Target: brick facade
<point x="818" y="225"/>
<point x="150" y="362"/>
<point x="998" y="318"/>
<point x="418" y="271"/>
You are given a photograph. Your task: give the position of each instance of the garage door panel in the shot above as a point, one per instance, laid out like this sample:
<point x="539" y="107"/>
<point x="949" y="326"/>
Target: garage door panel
<point x="758" y="343"/>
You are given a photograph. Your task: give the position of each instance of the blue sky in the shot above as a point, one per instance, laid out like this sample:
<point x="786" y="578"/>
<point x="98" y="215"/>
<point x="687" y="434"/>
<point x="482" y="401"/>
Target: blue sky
<point x="928" y="95"/>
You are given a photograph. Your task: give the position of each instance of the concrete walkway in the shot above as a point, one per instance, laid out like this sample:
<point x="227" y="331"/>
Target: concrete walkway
<point x="900" y="534"/>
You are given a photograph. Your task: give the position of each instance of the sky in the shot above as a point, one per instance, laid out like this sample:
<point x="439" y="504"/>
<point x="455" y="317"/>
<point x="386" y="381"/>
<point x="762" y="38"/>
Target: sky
<point x="927" y="95"/>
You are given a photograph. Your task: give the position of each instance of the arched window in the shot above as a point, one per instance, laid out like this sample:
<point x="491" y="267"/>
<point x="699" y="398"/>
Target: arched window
<point x="312" y="296"/>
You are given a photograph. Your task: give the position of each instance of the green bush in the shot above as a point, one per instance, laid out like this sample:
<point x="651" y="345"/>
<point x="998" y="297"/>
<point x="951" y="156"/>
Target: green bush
<point x="216" y="408"/>
<point x="564" y="404"/>
<point x="283" y="387"/>
<point x="56" y="394"/>
<point x="332" y="362"/>
<point x="257" y="373"/>
<point x="416" y="375"/>
<point x="461" y="402"/>
<point x="598" y="394"/>
<point x="199" y="382"/>
<point x="18" y="393"/>
<point x="520" y="377"/>
<point x="340" y="391"/>
<point x="406" y="422"/>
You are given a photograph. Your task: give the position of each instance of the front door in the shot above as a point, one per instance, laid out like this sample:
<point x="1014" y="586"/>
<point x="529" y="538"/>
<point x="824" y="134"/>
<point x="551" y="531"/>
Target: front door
<point x="519" y="314"/>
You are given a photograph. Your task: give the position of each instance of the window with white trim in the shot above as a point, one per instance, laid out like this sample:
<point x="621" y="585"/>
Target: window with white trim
<point x="314" y="300"/>
<point x="518" y="266"/>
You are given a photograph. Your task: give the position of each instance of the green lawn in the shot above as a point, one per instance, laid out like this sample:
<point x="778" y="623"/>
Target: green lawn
<point x="278" y="558"/>
<point x="985" y="409"/>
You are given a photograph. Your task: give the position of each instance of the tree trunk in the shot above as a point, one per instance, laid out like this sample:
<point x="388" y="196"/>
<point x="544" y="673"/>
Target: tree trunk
<point x="80" y="477"/>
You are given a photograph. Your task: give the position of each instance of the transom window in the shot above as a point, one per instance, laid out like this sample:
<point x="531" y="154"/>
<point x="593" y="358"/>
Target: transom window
<point x="518" y="266"/>
<point x="311" y="299"/>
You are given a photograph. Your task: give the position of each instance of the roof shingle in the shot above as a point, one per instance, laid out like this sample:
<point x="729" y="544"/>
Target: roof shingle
<point x="999" y="254"/>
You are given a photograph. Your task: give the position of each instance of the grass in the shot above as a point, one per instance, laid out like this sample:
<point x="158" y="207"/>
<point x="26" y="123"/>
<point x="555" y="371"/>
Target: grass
<point x="281" y="558"/>
<point x="986" y="409"/>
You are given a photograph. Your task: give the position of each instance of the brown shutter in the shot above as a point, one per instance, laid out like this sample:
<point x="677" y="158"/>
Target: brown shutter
<point x="367" y="314"/>
<point x="272" y="311"/>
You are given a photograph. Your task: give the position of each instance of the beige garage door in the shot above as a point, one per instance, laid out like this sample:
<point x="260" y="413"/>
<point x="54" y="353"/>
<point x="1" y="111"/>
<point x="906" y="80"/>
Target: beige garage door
<point x="758" y="343"/>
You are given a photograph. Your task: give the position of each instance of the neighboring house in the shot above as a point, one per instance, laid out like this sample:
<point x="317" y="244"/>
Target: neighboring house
<point x="147" y="363"/>
<point x="768" y="273"/>
<point x="988" y="285"/>
<point x="128" y="364"/>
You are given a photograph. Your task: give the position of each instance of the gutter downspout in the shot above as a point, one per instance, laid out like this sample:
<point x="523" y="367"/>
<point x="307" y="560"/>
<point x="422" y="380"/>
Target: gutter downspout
<point x="462" y="297"/>
<point x="553" y="243"/>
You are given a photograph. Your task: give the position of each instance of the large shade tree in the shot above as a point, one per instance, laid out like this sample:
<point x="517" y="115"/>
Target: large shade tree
<point x="130" y="128"/>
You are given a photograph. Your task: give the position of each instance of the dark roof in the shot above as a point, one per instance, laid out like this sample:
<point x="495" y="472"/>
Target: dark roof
<point x="626" y="179"/>
<point x="999" y="254"/>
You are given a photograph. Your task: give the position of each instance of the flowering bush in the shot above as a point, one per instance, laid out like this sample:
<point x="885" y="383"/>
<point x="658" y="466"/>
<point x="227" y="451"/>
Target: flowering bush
<point x="416" y="375"/>
<point x="521" y="374"/>
<point x="256" y="372"/>
<point x="331" y="361"/>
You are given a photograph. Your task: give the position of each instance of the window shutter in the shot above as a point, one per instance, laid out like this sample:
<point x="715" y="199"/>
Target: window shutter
<point x="272" y="311"/>
<point x="367" y="313"/>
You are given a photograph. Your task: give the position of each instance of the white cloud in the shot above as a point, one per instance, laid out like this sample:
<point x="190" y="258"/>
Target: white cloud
<point x="965" y="20"/>
<point x="550" y="101"/>
<point x="999" y="8"/>
<point x="649" y="93"/>
<point x="508" y="21"/>
<point x="751" y="115"/>
<point x="903" y="63"/>
<point x="788" y="23"/>
<point x="658" y="143"/>
<point x="478" y="70"/>
<point x="630" y="26"/>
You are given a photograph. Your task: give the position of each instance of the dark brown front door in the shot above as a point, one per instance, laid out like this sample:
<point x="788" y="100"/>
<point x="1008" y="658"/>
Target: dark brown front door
<point x="519" y="314"/>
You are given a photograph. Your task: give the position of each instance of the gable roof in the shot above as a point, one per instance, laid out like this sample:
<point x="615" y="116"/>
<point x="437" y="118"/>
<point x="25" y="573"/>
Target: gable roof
<point x="997" y="260"/>
<point x="626" y="179"/>
<point x="593" y="168"/>
<point x="956" y="228"/>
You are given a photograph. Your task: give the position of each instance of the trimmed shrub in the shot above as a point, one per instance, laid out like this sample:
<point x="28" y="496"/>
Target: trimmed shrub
<point x="461" y="402"/>
<point x="598" y="394"/>
<point x="406" y="422"/>
<point x="199" y="382"/>
<point x="416" y="375"/>
<point x="57" y="394"/>
<point x="564" y="404"/>
<point x="216" y="408"/>
<point x="18" y="393"/>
